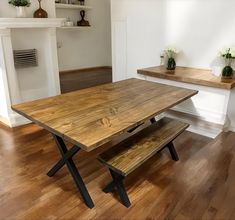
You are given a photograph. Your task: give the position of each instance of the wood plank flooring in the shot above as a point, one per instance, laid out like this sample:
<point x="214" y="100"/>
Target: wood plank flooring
<point x="199" y="186"/>
<point x="84" y="78"/>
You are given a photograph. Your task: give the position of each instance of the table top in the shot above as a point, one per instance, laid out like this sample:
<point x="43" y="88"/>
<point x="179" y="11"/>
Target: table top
<point x="91" y="117"/>
<point x="189" y="75"/>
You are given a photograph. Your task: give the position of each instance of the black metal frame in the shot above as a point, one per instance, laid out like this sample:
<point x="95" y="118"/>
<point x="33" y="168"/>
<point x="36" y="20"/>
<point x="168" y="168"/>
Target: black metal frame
<point x="173" y="151"/>
<point x="170" y="146"/>
<point x="153" y="120"/>
<point x="119" y="185"/>
<point x="67" y="159"/>
<point x="117" y="181"/>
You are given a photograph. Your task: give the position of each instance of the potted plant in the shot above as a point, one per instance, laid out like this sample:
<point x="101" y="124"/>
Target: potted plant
<point x="170" y="53"/>
<point x="229" y="55"/>
<point x="20" y="7"/>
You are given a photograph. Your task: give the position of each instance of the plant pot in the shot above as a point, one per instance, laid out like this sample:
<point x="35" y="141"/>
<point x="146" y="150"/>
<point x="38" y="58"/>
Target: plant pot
<point x="227" y="72"/>
<point x="171" y="64"/>
<point x="21" y="12"/>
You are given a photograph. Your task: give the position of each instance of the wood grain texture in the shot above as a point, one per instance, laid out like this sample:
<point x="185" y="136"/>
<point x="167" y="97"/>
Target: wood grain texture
<point x="73" y="80"/>
<point x="189" y="75"/>
<point x="199" y="186"/>
<point x="91" y="117"/>
<point x="131" y="153"/>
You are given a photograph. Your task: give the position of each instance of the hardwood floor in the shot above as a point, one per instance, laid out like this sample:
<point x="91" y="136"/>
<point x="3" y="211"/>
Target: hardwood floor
<point x="199" y="186"/>
<point x="84" y="78"/>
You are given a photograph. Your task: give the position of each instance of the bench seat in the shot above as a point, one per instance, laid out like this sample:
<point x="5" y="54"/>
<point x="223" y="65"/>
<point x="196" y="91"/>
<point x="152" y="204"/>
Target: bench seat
<point x="131" y="153"/>
<point x="128" y="155"/>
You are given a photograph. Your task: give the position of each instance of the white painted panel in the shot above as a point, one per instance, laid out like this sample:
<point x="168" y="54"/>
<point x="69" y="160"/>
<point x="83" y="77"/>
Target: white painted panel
<point x="119" y="49"/>
<point x="231" y="110"/>
<point x="141" y="32"/>
<point x="210" y="103"/>
<point x="144" y="34"/>
<point x="4" y="94"/>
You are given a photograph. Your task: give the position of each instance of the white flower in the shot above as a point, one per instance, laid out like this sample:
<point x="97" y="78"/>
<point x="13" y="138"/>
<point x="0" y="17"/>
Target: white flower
<point x="224" y="51"/>
<point x="227" y="50"/>
<point x="171" y="51"/>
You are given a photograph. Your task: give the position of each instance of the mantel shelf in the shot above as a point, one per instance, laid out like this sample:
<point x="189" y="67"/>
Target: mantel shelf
<point x="74" y="28"/>
<point x="31" y="22"/>
<point x="71" y="6"/>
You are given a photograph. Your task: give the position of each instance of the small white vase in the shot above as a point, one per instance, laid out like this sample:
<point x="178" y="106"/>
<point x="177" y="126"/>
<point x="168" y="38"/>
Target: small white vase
<point x="21" y="12"/>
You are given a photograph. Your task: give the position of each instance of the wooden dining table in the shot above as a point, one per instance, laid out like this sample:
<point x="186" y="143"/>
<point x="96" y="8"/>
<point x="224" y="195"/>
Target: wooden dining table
<point x="91" y="117"/>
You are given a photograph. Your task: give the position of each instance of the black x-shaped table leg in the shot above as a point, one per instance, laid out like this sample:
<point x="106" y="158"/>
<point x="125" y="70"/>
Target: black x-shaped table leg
<point x="119" y="185"/>
<point x="67" y="159"/>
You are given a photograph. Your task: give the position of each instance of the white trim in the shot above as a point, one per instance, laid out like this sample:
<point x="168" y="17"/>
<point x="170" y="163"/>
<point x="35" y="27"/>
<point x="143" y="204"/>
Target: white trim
<point x="31" y="22"/>
<point x="71" y="6"/>
<point x="5" y="121"/>
<point x="197" y="125"/>
<point x="18" y="120"/>
<point x="119" y="71"/>
<point x="232" y="128"/>
<point x="14" y="120"/>
<point x="204" y="115"/>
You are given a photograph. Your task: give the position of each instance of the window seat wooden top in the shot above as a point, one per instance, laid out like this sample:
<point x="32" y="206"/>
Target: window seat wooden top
<point x="189" y="75"/>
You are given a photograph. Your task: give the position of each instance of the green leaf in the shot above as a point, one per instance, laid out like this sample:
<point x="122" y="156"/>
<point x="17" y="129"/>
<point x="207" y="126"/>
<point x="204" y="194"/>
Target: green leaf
<point x="20" y="3"/>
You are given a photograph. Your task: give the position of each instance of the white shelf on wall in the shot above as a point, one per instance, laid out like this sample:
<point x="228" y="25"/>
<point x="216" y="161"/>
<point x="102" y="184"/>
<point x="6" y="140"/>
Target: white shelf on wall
<point x="71" y="6"/>
<point x="31" y="22"/>
<point x="74" y="28"/>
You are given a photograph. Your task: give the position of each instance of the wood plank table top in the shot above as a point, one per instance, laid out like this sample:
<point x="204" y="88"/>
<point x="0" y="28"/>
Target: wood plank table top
<point x="91" y="117"/>
<point x="189" y="75"/>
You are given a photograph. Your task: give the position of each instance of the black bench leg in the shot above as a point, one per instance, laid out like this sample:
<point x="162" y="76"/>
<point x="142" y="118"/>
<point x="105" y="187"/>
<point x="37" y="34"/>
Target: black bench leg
<point x="118" y="181"/>
<point x="152" y="120"/>
<point x="67" y="159"/>
<point x="109" y="187"/>
<point x="173" y="152"/>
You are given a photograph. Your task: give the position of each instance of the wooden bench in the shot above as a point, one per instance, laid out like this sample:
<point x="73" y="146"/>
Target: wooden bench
<point x="128" y="155"/>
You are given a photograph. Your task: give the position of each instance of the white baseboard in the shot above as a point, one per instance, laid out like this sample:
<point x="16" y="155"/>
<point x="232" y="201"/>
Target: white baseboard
<point x="5" y="121"/>
<point x="197" y="124"/>
<point x="232" y="128"/>
<point x="14" y="120"/>
<point x="18" y="120"/>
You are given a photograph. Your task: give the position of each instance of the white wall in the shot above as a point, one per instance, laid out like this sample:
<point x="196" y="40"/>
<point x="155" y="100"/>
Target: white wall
<point x="89" y="47"/>
<point x="4" y="96"/>
<point x="137" y="34"/>
<point x="80" y="48"/>
<point x="199" y="28"/>
<point x="141" y="29"/>
<point x="34" y="82"/>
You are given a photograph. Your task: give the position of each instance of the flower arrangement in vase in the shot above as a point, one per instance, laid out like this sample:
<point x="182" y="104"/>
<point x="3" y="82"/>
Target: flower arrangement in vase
<point x="229" y="55"/>
<point x="170" y="53"/>
<point x="20" y="7"/>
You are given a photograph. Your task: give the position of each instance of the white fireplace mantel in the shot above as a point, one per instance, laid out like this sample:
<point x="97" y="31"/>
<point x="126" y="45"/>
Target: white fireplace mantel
<point x="21" y="85"/>
<point x="31" y="22"/>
